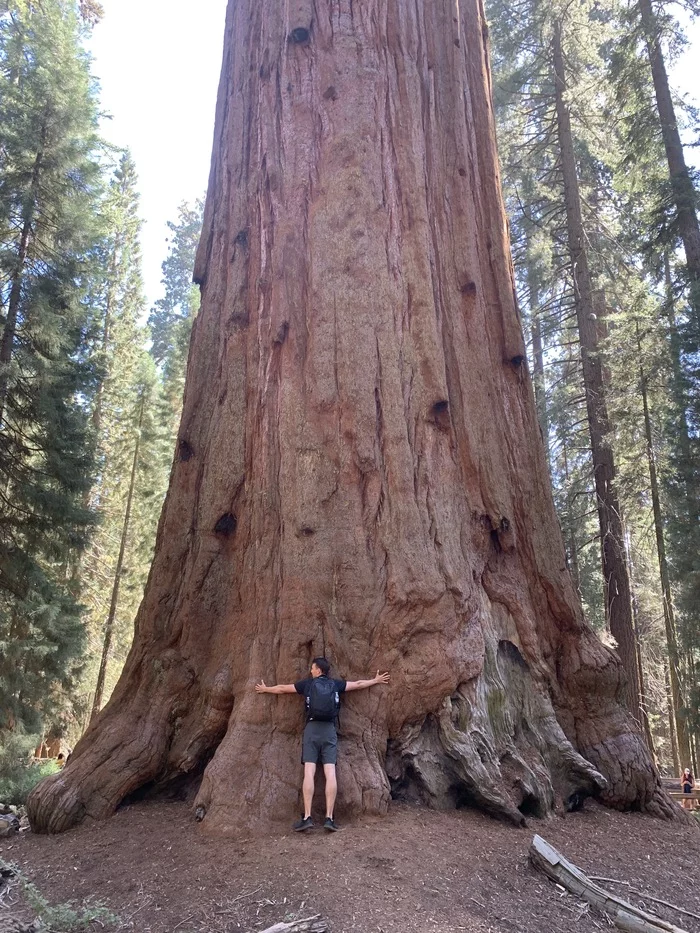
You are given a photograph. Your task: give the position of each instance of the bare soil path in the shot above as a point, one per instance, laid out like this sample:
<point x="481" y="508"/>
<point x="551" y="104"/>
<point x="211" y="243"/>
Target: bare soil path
<point x="414" y="870"/>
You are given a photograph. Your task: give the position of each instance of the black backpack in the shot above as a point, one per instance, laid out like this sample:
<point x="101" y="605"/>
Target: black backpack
<point x="322" y="701"/>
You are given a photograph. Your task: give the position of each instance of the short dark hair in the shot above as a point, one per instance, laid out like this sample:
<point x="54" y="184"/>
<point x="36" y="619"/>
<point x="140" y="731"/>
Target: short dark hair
<point x="323" y="665"/>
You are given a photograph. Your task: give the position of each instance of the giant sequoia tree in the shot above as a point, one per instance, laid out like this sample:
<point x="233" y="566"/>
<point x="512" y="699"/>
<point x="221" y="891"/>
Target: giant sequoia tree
<point x="359" y="470"/>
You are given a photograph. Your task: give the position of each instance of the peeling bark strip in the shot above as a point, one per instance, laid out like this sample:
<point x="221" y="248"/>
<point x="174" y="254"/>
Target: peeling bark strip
<point x="357" y="410"/>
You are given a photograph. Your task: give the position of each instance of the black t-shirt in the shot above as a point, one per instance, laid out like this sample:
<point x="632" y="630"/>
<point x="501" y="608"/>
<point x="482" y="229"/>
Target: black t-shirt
<point x="303" y="686"/>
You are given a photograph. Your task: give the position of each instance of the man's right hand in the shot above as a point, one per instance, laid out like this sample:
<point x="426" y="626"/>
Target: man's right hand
<point x="261" y="687"/>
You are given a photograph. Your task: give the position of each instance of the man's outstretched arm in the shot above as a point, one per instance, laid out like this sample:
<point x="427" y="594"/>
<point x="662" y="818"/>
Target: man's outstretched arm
<point x="280" y="688"/>
<point x="363" y="684"/>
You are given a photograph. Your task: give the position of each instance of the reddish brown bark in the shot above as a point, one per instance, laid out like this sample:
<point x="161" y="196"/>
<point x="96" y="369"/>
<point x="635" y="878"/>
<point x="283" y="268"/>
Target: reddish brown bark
<point x="360" y="471"/>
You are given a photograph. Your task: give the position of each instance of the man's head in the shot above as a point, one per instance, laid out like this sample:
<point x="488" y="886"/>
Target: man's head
<point x="320" y="667"/>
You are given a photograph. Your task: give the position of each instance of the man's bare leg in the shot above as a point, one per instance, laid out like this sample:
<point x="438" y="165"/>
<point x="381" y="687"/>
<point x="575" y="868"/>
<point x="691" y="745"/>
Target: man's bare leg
<point x="331" y="789"/>
<point x="308" y="786"/>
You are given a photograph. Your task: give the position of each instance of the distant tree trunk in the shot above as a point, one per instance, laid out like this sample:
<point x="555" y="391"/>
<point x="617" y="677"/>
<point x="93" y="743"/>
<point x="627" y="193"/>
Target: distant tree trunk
<point x="359" y="468"/>
<point x="682" y="184"/>
<point x="693" y="734"/>
<point x="669" y="620"/>
<point x="570" y="525"/>
<point x="643" y="695"/>
<point x="679" y="393"/>
<point x="618" y="602"/>
<point x="672" y="723"/>
<point x="106" y="335"/>
<point x="538" y="378"/>
<point x="114" y="601"/>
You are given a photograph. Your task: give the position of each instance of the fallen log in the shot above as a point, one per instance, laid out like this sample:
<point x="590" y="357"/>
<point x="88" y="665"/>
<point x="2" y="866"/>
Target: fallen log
<point x="309" y="925"/>
<point x="624" y="915"/>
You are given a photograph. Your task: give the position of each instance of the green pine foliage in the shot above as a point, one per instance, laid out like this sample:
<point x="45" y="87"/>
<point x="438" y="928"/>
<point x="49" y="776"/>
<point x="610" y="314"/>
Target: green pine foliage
<point x="49" y="187"/>
<point x="172" y="316"/>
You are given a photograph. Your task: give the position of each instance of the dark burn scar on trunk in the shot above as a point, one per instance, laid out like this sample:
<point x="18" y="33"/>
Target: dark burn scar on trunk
<point x="440" y="414"/>
<point x="226" y="525"/>
<point x="300" y="35"/>
<point x="184" y="451"/>
<point x="281" y="335"/>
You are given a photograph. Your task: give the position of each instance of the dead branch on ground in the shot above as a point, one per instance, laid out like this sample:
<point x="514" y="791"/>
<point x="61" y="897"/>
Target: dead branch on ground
<point x="624" y="915"/>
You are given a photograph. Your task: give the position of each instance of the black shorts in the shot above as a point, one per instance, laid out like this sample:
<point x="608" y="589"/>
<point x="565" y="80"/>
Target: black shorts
<point x="687" y="788"/>
<point x="320" y="743"/>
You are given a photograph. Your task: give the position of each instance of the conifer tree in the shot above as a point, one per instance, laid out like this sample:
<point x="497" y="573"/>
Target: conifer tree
<point x="133" y="444"/>
<point x="139" y="504"/>
<point x="621" y="204"/>
<point x="172" y="316"/>
<point x="661" y="209"/>
<point x="49" y="185"/>
<point x="536" y="68"/>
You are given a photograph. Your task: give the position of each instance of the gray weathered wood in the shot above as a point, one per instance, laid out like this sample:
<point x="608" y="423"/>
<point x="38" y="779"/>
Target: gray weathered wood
<point x="309" y="925"/>
<point x="625" y="915"/>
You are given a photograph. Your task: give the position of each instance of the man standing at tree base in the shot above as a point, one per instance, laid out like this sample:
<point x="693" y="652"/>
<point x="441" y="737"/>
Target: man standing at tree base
<point x="320" y="741"/>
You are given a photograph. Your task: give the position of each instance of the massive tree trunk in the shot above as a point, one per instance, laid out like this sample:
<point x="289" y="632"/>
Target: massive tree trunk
<point x="359" y="469"/>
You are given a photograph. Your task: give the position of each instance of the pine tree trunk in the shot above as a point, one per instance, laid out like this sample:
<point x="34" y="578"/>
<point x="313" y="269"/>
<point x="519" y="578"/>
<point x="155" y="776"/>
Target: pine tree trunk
<point x="538" y="378"/>
<point x="679" y="394"/>
<point x="672" y="724"/>
<point x="669" y="620"/>
<point x="114" y="601"/>
<point x="570" y="529"/>
<point x="359" y="468"/>
<point x="106" y="334"/>
<point x="615" y="571"/>
<point x="684" y="192"/>
<point x="693" y="735"/>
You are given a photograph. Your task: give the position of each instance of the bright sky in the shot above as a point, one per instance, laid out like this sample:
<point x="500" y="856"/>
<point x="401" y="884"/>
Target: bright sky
<point x="158" y="63"/>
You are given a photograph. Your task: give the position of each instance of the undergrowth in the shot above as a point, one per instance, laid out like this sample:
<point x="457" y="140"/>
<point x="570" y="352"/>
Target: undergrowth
<point x="68" y="917"/>
<point x="19" y="775"/>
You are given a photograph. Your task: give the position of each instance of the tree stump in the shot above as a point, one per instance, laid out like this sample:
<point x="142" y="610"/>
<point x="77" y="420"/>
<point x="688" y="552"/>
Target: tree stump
<point x="364" y="475"/>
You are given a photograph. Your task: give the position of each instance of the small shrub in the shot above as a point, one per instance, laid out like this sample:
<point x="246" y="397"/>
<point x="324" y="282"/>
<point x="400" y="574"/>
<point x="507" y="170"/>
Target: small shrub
<point x="19" y="775"/>
<point x="62" y="918"/>
<point x="68" y="917"/>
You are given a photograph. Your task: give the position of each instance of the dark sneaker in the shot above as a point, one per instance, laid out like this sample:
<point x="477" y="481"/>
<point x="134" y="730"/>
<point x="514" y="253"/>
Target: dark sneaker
<point x="331" y="825"/>
<point x="303" y="824"/>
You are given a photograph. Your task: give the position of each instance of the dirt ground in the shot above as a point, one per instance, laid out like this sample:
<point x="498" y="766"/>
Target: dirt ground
<point x="413" y="870"/>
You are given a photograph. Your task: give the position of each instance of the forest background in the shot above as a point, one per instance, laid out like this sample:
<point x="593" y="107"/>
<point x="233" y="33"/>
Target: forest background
<point x="96" y="308"/>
